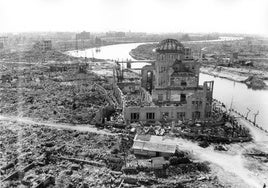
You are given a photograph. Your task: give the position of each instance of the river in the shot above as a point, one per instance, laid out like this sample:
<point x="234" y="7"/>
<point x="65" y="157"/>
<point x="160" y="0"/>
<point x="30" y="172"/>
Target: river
<point x="224" y="90"/>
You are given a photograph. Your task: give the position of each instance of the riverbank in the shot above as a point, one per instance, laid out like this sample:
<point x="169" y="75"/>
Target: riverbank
<point x="238" y="75"/>
<point x="93" y="45"/>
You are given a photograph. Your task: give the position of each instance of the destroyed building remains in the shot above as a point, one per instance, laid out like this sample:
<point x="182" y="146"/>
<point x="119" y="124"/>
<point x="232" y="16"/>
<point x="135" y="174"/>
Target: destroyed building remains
<point x="169" y="88"/>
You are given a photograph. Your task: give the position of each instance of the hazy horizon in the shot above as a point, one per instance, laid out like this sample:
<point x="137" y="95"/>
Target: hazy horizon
<point x="151" y="16"/>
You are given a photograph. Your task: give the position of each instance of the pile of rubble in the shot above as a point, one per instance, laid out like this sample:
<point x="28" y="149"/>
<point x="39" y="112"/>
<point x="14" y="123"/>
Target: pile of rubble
<point x="46" y="98"/>
<point x="38" y="156"/>
<point x="175" y="171"/>
<point x="35" y="156"/>
<point x="132" y="100"/>
<point x="222" y="128"/>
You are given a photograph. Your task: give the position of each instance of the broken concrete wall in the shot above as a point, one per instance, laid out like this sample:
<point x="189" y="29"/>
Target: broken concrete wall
<point x="118" y="95"/>
<point x="145" y="95"/>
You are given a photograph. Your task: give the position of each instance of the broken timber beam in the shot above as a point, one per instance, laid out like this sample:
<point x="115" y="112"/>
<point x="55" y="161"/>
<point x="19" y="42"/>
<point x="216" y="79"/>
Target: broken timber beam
<point x="19" y="173"/>
<point x="15" y="175"/>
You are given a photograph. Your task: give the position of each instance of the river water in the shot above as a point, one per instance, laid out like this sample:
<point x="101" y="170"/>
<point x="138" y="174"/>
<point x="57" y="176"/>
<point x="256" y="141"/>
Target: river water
<point x="224" y="90"/>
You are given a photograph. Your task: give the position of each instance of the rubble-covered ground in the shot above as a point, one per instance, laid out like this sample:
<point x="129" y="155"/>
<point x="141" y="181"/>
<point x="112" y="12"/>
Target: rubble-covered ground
<point x="35" y="155"/>
<point x="59" y="96"/>
<point x="34" y="55"/>
<point x="220" y="128"/>
<point x="50" y="151"/>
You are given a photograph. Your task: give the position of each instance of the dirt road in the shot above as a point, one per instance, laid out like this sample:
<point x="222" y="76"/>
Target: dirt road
<point x="82" y="128"/>
<point x="237" y="169"/>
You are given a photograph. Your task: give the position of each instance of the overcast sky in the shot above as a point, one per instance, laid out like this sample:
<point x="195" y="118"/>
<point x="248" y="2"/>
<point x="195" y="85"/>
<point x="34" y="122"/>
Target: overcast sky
<point x="235" y="16"/>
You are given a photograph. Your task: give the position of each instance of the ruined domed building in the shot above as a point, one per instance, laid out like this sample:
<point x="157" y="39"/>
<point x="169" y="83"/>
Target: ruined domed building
<point x="170" y="89"/>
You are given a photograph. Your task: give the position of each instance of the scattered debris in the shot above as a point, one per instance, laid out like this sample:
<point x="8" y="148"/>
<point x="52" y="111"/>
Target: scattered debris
<point x="220" y="148"/>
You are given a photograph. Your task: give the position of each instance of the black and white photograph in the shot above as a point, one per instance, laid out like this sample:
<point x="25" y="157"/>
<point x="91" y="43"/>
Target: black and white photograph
<point x="133" y="93"/>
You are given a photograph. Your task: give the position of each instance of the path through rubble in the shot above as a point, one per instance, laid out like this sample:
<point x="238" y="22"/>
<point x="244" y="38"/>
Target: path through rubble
<point x="233" y="161"/>
<point x="82" y="128"/>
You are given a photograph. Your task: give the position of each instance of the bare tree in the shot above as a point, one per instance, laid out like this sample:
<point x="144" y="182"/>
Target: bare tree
<point x="255" y="115"/>
<point x="249" y="110"/>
